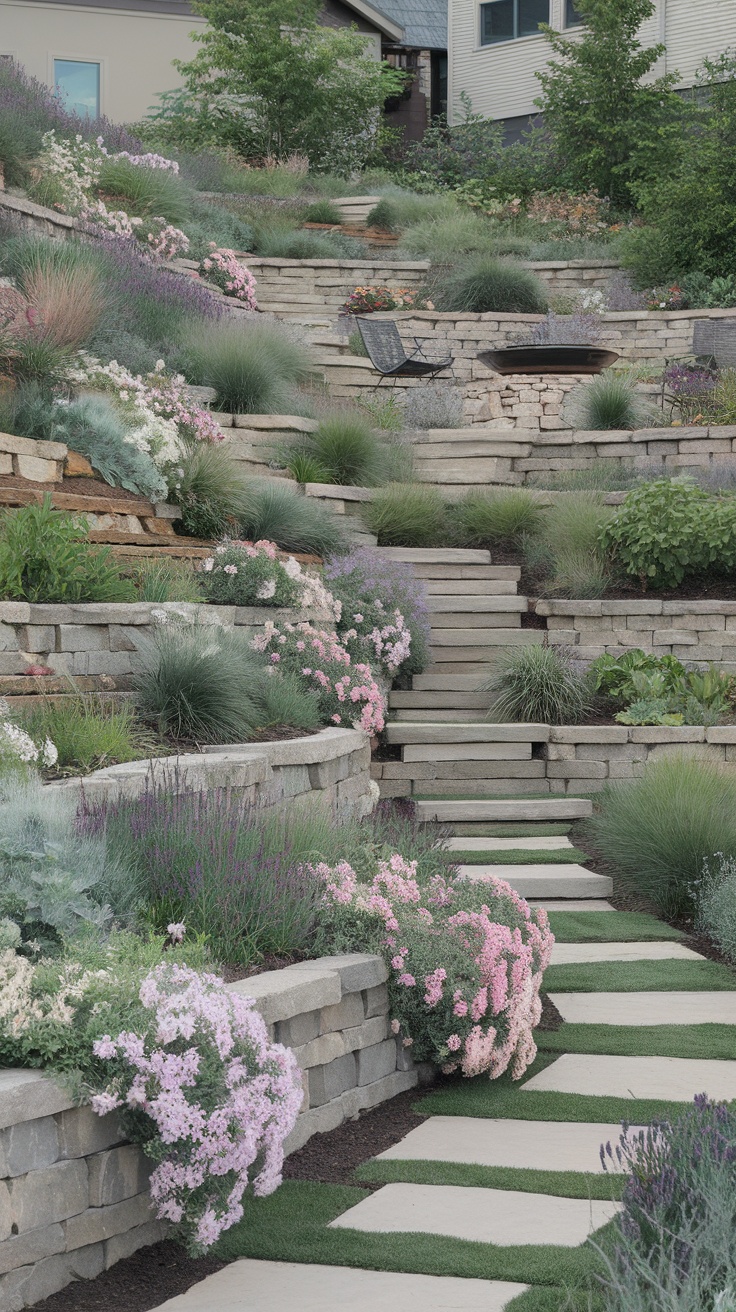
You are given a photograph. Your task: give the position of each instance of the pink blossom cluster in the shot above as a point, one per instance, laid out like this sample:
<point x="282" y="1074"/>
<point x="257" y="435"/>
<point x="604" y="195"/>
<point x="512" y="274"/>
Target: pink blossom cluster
<point x="390" y="642"/>
<point x="466" y="962"/>
<point x="225" y="270"/>
<point x="221" y="1096"/>
<point x="348" y="691"/>
<point x="147" y="161"/>
<point x="164" y="240"/>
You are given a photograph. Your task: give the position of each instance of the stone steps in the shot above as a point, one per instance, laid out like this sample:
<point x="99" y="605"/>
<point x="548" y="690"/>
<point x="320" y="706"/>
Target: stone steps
<point x="545" y="881"/>
<point x="513" y="811"/>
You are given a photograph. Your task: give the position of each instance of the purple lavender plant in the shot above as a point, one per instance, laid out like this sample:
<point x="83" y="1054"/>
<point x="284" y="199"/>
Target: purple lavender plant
<point x="135" y="277"/>
<point x="30" y="104"/>
<point x="578" y="329"/>
<point x="689" y="380"/>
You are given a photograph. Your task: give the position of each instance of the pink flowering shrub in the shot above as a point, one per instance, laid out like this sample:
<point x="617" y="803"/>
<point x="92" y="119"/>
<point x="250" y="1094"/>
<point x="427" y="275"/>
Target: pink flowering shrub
<point x="348" y="692"/>
<point x="198" y="1081"/>
<point x="247" y="574"/>
<point x="466" y="961"/>
<point x="223" y="268"/>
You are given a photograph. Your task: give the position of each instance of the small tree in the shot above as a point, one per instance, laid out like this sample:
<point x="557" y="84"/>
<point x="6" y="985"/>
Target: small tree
<point x="269" y="81"/>
<point x="611" y="129"/>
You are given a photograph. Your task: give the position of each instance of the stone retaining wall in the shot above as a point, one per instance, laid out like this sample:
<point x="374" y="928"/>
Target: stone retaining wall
<point x="329" y="769"/>
<point x="303" y="286"/>
<point x="73" y="1193"/>
<point x="102" y="638"/>
<point x="691" y="630"/>
<point x="588" y="756"/>
<point x="569" y="277"/>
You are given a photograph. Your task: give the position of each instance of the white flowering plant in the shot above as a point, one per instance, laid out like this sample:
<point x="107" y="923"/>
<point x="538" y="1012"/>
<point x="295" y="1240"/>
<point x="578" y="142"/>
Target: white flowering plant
<point x="19" y="752"/>
<point x="247" y="574"/>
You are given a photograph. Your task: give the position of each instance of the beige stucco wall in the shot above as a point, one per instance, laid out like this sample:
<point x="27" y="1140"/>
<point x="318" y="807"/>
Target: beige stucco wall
<point x="134" y="48"/>
<point x="500" y="79"/>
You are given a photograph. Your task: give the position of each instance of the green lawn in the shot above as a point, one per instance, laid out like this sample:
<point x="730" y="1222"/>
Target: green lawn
<point x="505" y="829"/>
<point x="609" y="927"/>
<point x="694" y="1041"/>
<point x="639" y="977"/>
<point x="563" y="1184"/>
<point x="292" y="1226"/>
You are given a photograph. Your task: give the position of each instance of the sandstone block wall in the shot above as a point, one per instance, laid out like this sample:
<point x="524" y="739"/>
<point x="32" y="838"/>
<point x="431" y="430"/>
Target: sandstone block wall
<point x="694" y="631"/>
<point x="589" y="756"/>
<point x="73" y="1193"/>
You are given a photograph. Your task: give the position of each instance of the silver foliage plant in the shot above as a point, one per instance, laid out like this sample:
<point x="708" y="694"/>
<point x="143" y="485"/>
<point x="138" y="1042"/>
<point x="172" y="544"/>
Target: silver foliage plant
<point x="435" y="405"/>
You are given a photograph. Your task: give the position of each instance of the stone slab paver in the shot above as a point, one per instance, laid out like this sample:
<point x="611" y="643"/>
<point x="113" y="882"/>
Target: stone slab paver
<point x="675" y="1079"/>
<point x="552" y="844"/>
<point x="251" y="1286"/>
<point x="537" y="880"/>
<point x="530" y="1145"/>
<point x="566" y="954"/>
<point x="486" y="1216"/>
<point x="642" y="1009"/>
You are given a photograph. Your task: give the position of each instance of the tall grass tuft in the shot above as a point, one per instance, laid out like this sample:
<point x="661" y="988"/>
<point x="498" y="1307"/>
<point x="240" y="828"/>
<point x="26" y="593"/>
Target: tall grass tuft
<point x="499" y="517"/>
<point x="195" y="682"/>
<point x="486" y="284"/>
<point x="68" y="302"/>
<point x="443" y="238"/>
<point x="89" y="734"/>
<point x="538" y="684"/>
<point x="609" y="401"/>
<point x="406" y="515"/>
<point x="212" y="491"/>
<point x="252" y="370"/>
<point x="166" y="580"/>
<point x="155" y="192"/>
<point x="571" y="534"/>
<point x="657" y="831"/>
<point x="277" y="512"/>
<point x="347" y="449"/>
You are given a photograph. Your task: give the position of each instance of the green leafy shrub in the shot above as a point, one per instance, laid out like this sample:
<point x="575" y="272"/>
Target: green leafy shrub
<point x="610" y="401"/>
<point x="539" y="684"/>
<point x="499" y="517"/>
<point x="669" y="529"/>
<point x="656" y="832"/>
<point x="277" y="241"/>
<point x="194" y="683"/>
<point x="89" y="734"/>
<point x="54" y="880"/>
<point x="211" y="490"/>
<point x="277" y="513"/>
<point x="44" y="557"/>
<point x="251" y="370"/>
<point x="406" y="515"/>
<point x="239" y="574"/>
<point x="488" y="284"/>
<point x="659" y="690"/>
<point x="145" y="192"/>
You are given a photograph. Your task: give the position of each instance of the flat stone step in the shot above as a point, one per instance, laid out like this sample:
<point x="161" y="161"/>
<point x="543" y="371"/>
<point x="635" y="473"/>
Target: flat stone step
<point x="477" y="646"/>
<point x="486" y="1216"/>
<point x="417" y="699"/>
<point x="555" y="843"/>
<point x="472" y="751"/>
<point x="250" y="1286"/>
<point x="525" y="1145"/>
<point x="470" y="588"/>
<point x="567" y="954"/>
<point x="645" y="1009"/>
<point x="448" y="573"/>
<point x="453" y="715"/>
<point x="460" y="602"/>
<point x="433" y="680"/>
<point x="480" y="732"/>
<point x="557" y="904"/>
<point x="671" y="1079"/>
<point x="448" y="622"/>
<point x="544" y="880"/>
<point x="437" y="555"/>
<point x="557" y="808"/>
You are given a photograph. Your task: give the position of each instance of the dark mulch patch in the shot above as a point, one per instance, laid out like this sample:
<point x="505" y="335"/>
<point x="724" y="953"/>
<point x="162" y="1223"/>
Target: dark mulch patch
<point x="532" y="585"/>
<point x="275" y="733"/>
<point x="551" y="1019"/>
<point x="332" y="1158"/>
<point x="137" y="1284"/>
<point x="272" y="961"/>
<point x="78" y="487"/>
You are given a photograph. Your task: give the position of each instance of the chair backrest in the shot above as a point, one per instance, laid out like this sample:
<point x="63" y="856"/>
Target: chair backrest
<point x="383" y="343"/>
<point x="704" y="337"/>
<point x="724" y="348"/>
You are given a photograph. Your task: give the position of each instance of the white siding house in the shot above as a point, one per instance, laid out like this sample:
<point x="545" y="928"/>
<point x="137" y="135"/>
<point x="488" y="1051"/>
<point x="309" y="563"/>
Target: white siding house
<point x="494" y="51"/>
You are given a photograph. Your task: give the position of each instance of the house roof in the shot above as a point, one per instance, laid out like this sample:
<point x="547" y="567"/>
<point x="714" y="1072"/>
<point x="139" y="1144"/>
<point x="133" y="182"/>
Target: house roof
<point x="424" y="21"/>
<point x="389" y="24"/>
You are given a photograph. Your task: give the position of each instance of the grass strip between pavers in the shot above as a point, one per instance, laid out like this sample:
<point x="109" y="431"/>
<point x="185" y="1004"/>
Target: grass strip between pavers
<point x="506" y="1099"/>
<point x="717" y="1042"/>
<point x="562" y="1184"/>
<point x="292" y="1226"/>
<point x="545" y="1299"/>
<point x="609" y="927"/>
<point x="521" y="857"/>
<point x="639" y="977"/>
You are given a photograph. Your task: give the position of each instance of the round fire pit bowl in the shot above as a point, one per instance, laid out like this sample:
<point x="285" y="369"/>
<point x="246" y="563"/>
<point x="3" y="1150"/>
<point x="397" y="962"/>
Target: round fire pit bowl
<point x="548" y="359"/>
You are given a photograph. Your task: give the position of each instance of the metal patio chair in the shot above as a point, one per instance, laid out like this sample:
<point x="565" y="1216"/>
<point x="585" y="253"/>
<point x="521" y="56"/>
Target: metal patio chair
<point x="715" y="340"/>
<point x="388" y="354"/>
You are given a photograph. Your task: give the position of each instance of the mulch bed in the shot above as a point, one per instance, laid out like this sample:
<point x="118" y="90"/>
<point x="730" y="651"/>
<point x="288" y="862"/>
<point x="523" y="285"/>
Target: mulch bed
<point x="81" y="487"/>
<point x="137" y="1284"/>
<point x="333" y="1158"/>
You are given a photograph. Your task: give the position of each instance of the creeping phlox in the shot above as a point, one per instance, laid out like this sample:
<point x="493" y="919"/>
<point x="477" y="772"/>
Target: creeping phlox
<point x="221" y="1096"/>
<point x="348" y="692"/>
<point x="163" y="416"/>
<point x="223" y="268"/>
<point x="75" y="167"/>
<point x="465" y="979"/>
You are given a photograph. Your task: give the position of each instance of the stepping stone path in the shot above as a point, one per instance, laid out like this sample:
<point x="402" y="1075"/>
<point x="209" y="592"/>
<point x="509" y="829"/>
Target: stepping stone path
<point x="475" y="776"/>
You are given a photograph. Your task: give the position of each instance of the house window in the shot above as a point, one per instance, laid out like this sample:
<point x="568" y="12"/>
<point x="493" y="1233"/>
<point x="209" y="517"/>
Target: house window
<point x="572" y="17"/>
<point x="503" y="20"/>
<point x="78" y="82"/>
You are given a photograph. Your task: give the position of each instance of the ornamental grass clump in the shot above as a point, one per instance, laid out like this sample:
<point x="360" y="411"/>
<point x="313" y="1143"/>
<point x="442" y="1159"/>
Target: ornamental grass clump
<point x="539" y="685"/>
<point x="406" y="515"/>
<point x="276" y="512"/>
<point x="485" y="284"/>
<point x="88" y="732"/>
<point x="253" y="370"/>
<point x="346" y="449"/>
<point x="466" y="961"/>
<point x="655" y="832"/>
<point x="499" y="517"/>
